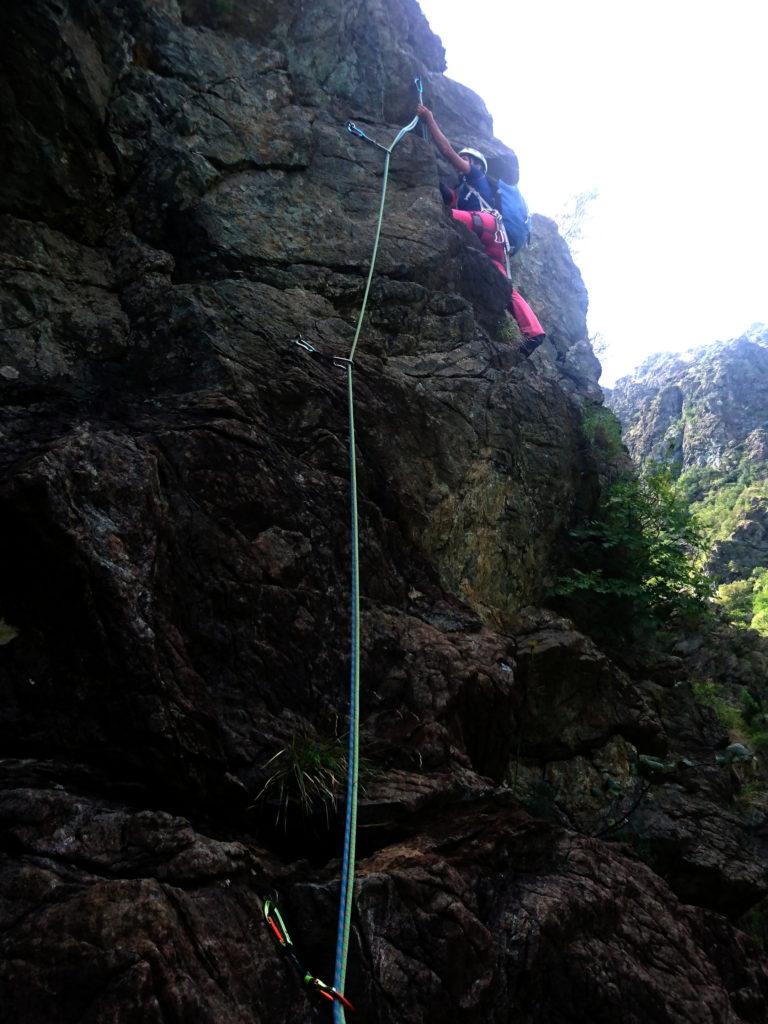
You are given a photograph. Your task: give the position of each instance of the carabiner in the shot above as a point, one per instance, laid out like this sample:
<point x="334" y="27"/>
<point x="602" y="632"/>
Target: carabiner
<point x="273" y="917"/>
<point x="302" y="342"/>
<point x="352" y="127"/>
<point x="327" y="991"/>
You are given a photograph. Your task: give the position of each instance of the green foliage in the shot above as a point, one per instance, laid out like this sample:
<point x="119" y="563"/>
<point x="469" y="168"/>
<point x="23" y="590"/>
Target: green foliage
<point x="736" y="601"/>
<point x="601" y="429"/>
<point x="751" y="706"/>
<point x="306" y="776"/>
<point x="719" y="498"/>
<point x="755" y="923"/>
<point x="690" y="411"/>
<point x="636" y="561"/>
<point x="745" y="716"/>
<point x="759" y="580"/>
<point x="722" y="510"/>
<point x="7" y="632"/>
<point x="745" y="602"/>
<point x="746" y="720"/>
<point x="709" y="695"/>
<point x="696" y="482"/>
<point x="507" y="330"/>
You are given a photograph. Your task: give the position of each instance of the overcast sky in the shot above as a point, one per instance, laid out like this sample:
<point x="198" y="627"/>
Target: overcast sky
<point x="661" y="106"/>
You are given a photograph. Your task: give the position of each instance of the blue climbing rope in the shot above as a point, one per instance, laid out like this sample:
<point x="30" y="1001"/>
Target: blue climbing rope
<point x="353" y="748"/>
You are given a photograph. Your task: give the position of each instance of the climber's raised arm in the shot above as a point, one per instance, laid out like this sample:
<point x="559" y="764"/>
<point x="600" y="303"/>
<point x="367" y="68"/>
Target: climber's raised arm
<point x="459" y="162"/>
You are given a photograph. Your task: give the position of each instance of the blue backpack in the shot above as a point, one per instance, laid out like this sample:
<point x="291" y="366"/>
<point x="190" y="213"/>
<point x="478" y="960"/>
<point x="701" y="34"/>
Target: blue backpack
<point x="514" y="212"/>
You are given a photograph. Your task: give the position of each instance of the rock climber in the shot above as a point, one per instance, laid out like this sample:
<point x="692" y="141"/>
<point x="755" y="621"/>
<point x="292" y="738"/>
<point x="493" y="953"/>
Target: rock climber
<point x="466" y="208"/>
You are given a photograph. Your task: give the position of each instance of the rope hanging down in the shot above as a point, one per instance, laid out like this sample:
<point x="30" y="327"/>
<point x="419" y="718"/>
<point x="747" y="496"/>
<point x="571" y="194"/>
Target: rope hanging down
<point x="353" y="759"/>
<point x="350" y="823"/>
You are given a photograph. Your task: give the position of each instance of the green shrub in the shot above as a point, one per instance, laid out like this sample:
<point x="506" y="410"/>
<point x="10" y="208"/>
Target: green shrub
<point x="696" y="482"/>
<point x="747" y="721"/>
<point x="751" y="707"/>
<point x="7" y="632"/>
<point x="306" y="776"/>
<point x="759" y="580"/>
<point x="601" y="429"/>
<point x="745" y="602"/>
<point x="709" y="694"/>
<point x="508" y="331"/>
<point x="736" y="601"/>
<point x="636" y="562"/>
<point x="720" y="497"/>
<point x="755" y="923"/>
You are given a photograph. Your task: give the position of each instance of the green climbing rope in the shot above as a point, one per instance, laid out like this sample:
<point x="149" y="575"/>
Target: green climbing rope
<point x="353" y="749"/>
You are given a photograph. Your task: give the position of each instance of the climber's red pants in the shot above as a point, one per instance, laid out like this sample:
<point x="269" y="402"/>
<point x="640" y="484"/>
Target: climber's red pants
<point x="484" y="226"/>
<point x="527" y="320"/>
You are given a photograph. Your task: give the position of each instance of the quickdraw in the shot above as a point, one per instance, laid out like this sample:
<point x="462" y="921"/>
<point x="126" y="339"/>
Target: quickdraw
<point x="340" y="362"/>
<point x="319" y="988"/>
<point x="354" y="130"/>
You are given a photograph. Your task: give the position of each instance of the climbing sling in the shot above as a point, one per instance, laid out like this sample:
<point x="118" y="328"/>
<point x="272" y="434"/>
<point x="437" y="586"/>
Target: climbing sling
<point x="350" y="822"/>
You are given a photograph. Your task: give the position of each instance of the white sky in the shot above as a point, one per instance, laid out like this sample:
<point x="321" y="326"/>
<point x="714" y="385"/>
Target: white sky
<point x="661" y="106"/>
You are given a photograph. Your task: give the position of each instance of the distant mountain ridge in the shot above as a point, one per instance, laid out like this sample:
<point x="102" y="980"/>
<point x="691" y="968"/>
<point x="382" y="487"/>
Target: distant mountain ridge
<point x="705" y="413"/>
<point x="707" y="407"/>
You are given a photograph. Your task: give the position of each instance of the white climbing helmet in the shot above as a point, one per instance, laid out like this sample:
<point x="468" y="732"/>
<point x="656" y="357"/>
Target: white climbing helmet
<point x="467" y="151"/>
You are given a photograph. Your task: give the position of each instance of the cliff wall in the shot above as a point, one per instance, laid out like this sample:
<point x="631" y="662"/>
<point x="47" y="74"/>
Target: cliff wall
<point x="179" y="200"/>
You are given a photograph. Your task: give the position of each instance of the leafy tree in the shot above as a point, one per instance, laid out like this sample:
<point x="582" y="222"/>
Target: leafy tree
<point x="736" y="601"/>
<point x="760" y="601"/>
<point x="636" y="561"/>
<point x="572" y="218"/>
<point x="745" y="602"/>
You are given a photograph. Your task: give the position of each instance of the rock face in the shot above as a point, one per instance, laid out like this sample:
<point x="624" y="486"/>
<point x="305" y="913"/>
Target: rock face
<point x="705" y="408"/>
<point x="707" y="413"/>
<point x="179" y="200"/>
<point x="746" y="549"/>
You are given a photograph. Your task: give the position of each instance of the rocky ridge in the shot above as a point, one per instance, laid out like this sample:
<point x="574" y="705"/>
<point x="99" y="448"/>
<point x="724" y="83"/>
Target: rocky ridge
<point x="705" y="408"/>
<point x="178" y="201"/>
<point x="706" y="413"/>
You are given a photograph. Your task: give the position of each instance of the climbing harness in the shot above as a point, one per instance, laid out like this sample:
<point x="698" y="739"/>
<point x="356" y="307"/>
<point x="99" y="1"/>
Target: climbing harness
<point x="501" y="237"/>
<point x="350" y="821"/>
<point x="274" y="919"/>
